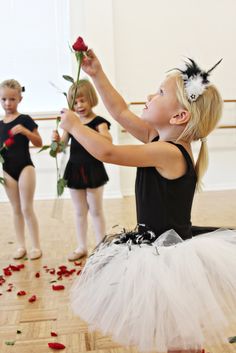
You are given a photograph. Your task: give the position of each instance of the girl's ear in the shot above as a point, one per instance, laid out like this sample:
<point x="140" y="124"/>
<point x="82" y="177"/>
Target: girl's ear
<point x="181" y="118"/>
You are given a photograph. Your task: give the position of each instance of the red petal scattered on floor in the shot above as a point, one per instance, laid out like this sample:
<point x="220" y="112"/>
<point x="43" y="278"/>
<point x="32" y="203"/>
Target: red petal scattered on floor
<point x="58" y="287"/>
<point x="54" y="334"/>
<point x="21" y="293"/>
<point x="32" y="299"/>
<point x="56" y="345"/>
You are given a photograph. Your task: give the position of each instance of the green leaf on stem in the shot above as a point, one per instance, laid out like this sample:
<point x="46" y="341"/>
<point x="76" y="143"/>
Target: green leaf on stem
<point x="68" y="78"/>
<point x="61" y="184"/>
<point x="53" y="154"/>
<point x="44" y="148"/>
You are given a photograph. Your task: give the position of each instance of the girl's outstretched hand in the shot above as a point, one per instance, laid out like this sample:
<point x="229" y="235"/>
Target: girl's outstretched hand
<point x="90" y="63"/>
<point x="68" y="119"/>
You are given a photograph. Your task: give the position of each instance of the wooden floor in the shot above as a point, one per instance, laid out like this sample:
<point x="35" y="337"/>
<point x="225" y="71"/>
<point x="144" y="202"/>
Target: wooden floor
<point x="29" y="325"/>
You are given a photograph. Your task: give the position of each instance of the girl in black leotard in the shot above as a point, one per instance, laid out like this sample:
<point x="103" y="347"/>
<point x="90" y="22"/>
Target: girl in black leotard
<point x="18" y="168"/>
<point x="85" y="174"/>
<point x="158" y="287"/>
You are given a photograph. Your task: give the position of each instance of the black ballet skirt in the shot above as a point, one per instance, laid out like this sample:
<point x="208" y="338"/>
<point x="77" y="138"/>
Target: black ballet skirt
<point x="83" y="170"/>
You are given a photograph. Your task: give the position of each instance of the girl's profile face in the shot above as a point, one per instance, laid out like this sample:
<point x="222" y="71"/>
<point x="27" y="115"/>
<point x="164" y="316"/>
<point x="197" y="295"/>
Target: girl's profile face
<point x="10" y="98"/>
<point x="162" y="105"/>
<point x="82" y="107"/>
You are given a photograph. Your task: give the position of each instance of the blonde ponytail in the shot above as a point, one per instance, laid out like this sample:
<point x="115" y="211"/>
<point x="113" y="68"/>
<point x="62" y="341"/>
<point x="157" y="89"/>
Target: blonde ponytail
<point x="205" y="114"/>
<point x="202" y="163"/>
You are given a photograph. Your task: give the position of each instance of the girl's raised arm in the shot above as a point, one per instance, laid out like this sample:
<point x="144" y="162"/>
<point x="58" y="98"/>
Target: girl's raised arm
<point x="113" y="101"/>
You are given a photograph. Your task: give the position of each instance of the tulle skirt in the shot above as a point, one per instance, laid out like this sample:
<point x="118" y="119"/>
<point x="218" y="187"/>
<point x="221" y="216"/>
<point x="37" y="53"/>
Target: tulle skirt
<point x="160" y="295"/>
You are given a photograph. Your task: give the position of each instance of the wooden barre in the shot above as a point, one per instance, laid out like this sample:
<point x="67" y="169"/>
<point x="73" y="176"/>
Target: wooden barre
<point x="224" y="100"/>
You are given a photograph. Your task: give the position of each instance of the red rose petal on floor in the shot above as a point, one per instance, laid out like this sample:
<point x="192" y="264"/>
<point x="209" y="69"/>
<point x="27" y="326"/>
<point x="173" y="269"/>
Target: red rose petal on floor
<point x="77" y="263"/>
<point x="54" y="334"/>
<point x="37" y="274"/>
<point x="58" y="287"/>
<point x="2" y="280"/>
<point x="7" y="272"/>
<point x="21" y="266"/>
<point x="21" y="293"/>
<point x="56" y="345"/>
<point x="14" y="268"/>
<point x="52" y="271"/>
<point x="32" y="299"/>
<point x="78" y="273"/>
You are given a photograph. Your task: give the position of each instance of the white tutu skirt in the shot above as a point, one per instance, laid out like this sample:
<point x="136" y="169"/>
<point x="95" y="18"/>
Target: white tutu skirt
<point x="170" y="294"/>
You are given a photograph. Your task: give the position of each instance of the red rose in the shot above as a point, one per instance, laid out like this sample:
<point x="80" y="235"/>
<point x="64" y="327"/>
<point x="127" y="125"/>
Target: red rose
<point x="9" y="142"/>
<point x="79" y="45"/>
<point x="10" y="134"/>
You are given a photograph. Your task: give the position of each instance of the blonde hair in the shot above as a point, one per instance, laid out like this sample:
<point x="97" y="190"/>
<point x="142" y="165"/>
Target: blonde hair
<point x="83" y="89"/>
<point x="13" y="84"/>
<point x="205" y="114"/>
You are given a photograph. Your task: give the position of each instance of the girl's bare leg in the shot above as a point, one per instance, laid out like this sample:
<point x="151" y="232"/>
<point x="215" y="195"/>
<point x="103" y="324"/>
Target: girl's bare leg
<point x="26" y="184"/>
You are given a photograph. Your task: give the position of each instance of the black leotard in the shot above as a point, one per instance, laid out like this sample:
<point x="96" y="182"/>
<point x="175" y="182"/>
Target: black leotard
<point x="164" y="204"/>
<point x="17" y="156"/>
<point x="83" y="170"/>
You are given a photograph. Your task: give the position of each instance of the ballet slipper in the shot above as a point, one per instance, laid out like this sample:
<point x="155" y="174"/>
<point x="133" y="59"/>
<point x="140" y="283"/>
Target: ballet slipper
<point x="35" y="254"/>
<point x="76" y="255"/>
<point x="19" y="253"/>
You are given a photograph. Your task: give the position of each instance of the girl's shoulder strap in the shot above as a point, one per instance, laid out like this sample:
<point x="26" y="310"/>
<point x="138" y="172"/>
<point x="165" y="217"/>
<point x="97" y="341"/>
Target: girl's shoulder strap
<point x="184" y="152"/>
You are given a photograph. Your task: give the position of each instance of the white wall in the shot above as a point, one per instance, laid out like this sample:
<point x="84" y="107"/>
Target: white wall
<point x="153" y="36"/>
<point x="137" y="42"/>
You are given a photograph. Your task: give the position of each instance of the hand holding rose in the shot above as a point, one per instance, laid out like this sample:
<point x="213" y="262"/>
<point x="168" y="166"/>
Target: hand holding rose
<point x="68" y="120"/>
<point x="90" y="63"/>
<point x="19" y="129"/>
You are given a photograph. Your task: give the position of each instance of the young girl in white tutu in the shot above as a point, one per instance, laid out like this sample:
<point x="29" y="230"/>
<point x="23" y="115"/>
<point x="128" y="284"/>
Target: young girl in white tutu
<point x="157" y="287"/>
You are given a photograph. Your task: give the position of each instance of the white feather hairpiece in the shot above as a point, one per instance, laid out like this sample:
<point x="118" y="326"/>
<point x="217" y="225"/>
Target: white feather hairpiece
<point x="195" y="79"/>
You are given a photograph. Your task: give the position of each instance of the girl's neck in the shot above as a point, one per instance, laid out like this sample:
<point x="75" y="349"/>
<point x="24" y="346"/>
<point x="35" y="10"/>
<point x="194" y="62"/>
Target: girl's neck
<point x="12" y="116"/>
<point x="86" y="119"/>
<point x="171" y="134"/>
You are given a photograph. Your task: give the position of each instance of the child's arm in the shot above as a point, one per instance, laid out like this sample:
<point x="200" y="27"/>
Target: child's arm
<point x="113" y="101"/>
<point x="56" y="137"/>
<point x="103" y="130"/>
<point x="33" y="136"/>
<point x="164" y="156"/>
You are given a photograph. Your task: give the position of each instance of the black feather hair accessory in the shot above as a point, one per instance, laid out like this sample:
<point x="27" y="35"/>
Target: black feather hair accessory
<point x="195" y="79"/>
